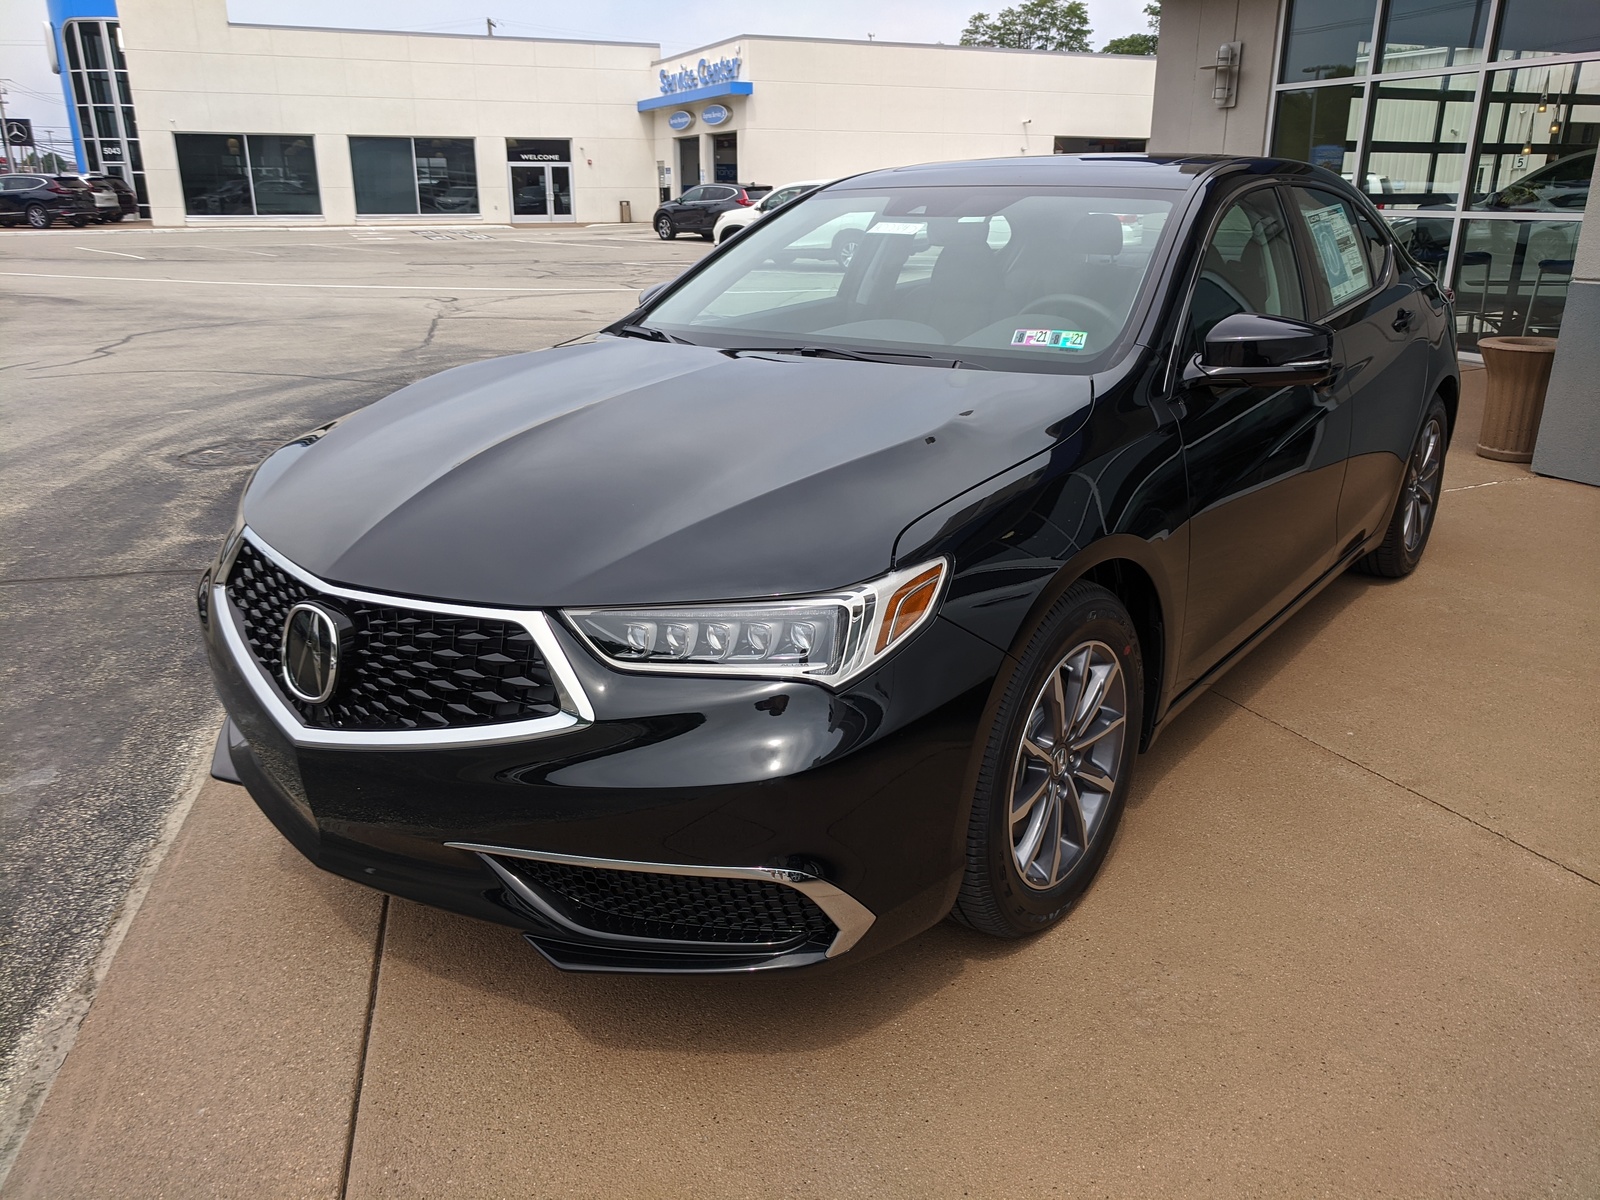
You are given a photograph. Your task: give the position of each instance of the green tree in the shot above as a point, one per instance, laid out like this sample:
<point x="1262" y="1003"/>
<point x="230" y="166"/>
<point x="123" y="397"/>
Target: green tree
<point x="1032" y="25"/>
<point x="1139" y="43"/>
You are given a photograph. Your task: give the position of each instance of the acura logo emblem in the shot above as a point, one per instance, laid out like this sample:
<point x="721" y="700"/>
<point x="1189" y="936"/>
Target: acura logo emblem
<point x="311" y="636"/>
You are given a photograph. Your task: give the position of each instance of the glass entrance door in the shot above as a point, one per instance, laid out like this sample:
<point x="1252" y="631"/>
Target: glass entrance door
<point x="541" y="193"/>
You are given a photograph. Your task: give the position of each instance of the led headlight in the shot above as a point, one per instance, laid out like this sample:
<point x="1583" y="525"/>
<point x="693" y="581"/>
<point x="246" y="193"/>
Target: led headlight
<point x="829" y="638"/>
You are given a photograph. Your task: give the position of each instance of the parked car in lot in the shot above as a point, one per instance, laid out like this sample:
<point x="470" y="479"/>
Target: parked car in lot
<point x="107" y="205"/>
<point x="40" y="199"/>
<point x="697" y="210"/>
<point x="127" y="199"/>
<point x="744" y="215"/>
<point x="795" y="611"/>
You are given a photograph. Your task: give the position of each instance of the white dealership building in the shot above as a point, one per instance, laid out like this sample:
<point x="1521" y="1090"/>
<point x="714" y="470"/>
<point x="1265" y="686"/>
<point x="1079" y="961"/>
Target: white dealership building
<point x="215" y="121"/>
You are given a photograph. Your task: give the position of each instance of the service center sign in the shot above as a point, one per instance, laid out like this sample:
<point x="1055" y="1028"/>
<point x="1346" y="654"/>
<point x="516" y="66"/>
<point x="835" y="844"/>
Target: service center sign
<point x="703" y="74"/>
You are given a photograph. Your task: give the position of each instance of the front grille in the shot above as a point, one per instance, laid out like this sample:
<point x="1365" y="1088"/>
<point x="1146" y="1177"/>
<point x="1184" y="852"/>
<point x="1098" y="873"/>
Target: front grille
<point x="402" y="668"/>
<point x="680" y="907"/>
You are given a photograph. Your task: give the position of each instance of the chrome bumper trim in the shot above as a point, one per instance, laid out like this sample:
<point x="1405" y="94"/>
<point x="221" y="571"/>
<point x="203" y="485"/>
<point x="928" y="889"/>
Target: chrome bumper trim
<point x="850" y="916"/>
<point x="575" y="703"/>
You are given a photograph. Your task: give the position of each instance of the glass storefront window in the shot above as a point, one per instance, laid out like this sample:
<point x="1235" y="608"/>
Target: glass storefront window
<point x="231" y="174"/>
<point x="1539" y="133"/>
<point x="1512" y="277"/>
<point x="1327" y="39"/>
<point x="1422" y="34"/>
<point x="1540" y="28"/>
<point x="1417" y="147"/>
<point x="405" y="176"/>
<point x="103" y="102"/>
<point x="1319" y="125"/>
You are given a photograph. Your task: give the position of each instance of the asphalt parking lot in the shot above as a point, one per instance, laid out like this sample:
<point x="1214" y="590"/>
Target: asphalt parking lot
<point x="143" y="373"/>
<point x="1345" y="943"/>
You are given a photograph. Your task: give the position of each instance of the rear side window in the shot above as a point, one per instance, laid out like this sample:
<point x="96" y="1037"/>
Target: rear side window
<point x="1345" y="258"/>
<point x="720" y="193"/>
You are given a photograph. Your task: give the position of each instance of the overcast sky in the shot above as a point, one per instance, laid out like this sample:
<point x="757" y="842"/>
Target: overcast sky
<point x="32" y="91"/>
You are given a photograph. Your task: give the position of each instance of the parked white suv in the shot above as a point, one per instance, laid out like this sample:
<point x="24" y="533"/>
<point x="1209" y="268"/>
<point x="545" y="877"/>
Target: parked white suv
<point x="737" y="218"/>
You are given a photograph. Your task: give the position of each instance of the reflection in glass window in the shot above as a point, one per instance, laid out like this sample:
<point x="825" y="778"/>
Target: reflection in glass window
<point x="232" y="174"/>
<point x="1417" y="148"/>
<point x="1426" y="239"/>
<point x="1319" y="125"/>
<point x="1327" y="39"/>
<point x="1423" y="34"/>
<point x="1535" y="28"/>
<point x="405" y="176"/>
<point x="1512" y="278"/>
<point x="1539" y="131"/>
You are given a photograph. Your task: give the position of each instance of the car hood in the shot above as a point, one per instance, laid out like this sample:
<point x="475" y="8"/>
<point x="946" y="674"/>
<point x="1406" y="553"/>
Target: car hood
<point x="626" y="471"/>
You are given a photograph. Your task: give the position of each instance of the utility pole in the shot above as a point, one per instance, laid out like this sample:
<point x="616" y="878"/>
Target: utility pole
<point x="5" y="130"/>
<point x="490" y="22"/>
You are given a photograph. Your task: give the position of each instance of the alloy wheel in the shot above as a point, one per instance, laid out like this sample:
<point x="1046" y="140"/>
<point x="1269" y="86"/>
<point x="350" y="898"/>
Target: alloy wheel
<point x="1421" y="494"/>
<point x="1067" y="764"/>
<point x="38" y="217"/>
<point x="664" y="228"/>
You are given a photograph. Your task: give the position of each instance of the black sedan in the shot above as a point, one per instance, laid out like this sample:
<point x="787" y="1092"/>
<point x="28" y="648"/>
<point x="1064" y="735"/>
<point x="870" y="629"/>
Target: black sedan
<point x="37" y="200"/>
<point x="803" y="608"/>
<point x="697" y="210"/>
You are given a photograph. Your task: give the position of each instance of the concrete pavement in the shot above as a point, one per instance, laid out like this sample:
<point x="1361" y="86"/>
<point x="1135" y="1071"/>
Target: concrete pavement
<point x="1347" y="943"/>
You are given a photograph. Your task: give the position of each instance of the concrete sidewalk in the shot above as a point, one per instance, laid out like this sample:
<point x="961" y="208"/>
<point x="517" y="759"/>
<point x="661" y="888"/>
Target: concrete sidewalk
<point x="1347" y="943"/>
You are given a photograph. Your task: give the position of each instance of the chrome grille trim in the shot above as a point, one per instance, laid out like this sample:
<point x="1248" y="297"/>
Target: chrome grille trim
<point x="576" y="709"/>
<point x="852" y="918"/>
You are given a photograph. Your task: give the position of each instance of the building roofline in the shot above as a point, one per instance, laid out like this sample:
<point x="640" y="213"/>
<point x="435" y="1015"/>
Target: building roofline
<point x="779" y="37"/>
<point x="478" y="37"/>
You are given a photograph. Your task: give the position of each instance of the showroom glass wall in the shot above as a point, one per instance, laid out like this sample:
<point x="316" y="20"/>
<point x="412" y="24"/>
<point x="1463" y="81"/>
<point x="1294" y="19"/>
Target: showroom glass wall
<point x="401" y="176"/>
<point x="238" y="174"/>
<point x="1473" y="127"/>
<point x="103" y="102"/>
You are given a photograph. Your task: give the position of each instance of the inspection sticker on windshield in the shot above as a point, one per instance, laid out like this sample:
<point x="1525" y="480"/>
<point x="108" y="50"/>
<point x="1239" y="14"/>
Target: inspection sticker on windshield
<point x="1056" y="339"/>
<point x="907" y="227"/>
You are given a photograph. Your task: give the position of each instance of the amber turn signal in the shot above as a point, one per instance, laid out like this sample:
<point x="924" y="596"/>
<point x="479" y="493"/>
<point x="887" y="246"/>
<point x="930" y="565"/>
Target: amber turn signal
<point x="907" y="606"/>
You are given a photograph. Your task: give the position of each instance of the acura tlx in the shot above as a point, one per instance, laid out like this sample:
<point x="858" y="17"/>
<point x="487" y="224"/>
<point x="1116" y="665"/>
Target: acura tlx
<point x="823" y="597"/>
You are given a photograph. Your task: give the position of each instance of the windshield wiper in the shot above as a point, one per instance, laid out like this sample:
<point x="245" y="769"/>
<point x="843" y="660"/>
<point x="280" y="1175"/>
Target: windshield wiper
<point x="888" y="356"/>
<point x="650" y="334"/>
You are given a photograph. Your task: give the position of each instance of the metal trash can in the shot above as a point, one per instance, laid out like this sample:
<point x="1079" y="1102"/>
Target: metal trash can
<point x="627" y="211"/>
<point x="1513" y="402"/>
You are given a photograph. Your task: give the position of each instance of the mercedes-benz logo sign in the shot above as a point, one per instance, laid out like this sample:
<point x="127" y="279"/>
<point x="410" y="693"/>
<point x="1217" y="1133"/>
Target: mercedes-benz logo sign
<point x="311" y="653"/>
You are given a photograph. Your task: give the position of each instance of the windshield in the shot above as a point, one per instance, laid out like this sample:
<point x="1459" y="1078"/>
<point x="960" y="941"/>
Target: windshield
<point x="1014" y="278"/>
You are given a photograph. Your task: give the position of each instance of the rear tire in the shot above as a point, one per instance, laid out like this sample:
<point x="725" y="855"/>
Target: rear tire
<point x="78" y="222"/>
<point x="117" y="218"/>
<point x="665" y="229"/>
<point x="706" y="234"/>
<point x="38" y="216"/>
<point x="1414" y="511"/>
<point x="1056" y="767"/>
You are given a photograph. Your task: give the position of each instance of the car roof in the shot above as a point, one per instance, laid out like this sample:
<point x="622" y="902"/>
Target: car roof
<point x="1177" y="172"/>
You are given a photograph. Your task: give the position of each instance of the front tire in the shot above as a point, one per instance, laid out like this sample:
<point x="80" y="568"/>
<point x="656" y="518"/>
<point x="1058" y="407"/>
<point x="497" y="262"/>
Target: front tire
<point x="38" y="216"/>
<point x="1412" y="522"/>
<point x="1056" y="767"/>
<point x="665" y="229"/>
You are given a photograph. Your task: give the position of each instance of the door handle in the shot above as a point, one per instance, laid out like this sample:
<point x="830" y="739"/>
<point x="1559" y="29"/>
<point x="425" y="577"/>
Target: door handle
<point x="1402" y="320"/>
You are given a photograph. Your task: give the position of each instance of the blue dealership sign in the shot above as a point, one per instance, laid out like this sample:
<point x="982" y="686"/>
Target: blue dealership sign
<point x="703" y="74"/>
<point x="681" y="119"/>
<point x="714" y="114"/>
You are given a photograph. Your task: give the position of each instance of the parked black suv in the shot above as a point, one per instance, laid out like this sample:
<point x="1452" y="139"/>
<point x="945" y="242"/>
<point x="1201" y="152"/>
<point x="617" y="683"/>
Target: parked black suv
<point x="40" y="199"/>
<point x="127" y="199"/>
<point x="697" y="210"/>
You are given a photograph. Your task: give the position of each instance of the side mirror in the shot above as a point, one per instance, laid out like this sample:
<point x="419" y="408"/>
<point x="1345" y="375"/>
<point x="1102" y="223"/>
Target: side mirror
<point x="1254" y="350"/>
<point x="650" y="293"/>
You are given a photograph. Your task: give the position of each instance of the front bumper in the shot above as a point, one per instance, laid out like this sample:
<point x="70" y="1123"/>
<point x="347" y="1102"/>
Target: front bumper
<point x="773" y="793"/>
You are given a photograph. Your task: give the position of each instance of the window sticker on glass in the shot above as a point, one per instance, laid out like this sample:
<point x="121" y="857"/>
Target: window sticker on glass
<point x="1339" y="249"/>
<point x="1057" y="339"/>
<point x="907" y="227"/>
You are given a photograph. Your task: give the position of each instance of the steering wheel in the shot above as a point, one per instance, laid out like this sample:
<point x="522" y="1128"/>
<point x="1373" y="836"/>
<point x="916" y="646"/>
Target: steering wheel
<point x="1069" y="300"/>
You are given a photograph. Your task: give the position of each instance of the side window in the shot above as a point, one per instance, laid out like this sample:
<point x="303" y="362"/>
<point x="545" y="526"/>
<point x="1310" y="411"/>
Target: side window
<point x="718" y="193"/>
<point x="1248" y="266"/>
<point x="693" y="194"/>
<point x="1341" y="260"/>
<point x="1376" y="246"/>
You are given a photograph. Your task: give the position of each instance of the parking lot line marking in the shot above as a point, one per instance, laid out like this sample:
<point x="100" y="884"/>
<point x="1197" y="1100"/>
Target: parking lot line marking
<point x="92" y="250"/>
<point x="366" y="287"/>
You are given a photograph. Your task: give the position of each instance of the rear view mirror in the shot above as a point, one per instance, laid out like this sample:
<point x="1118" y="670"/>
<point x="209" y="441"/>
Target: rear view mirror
<point x="1255" y="350"/>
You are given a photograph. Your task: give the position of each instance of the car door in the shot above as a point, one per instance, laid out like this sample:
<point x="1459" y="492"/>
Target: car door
<point x="682" y="209"/>
<point x="10" y="194"/>
<point x="1265" y="464"/>
<point x="1380" y="339"/>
